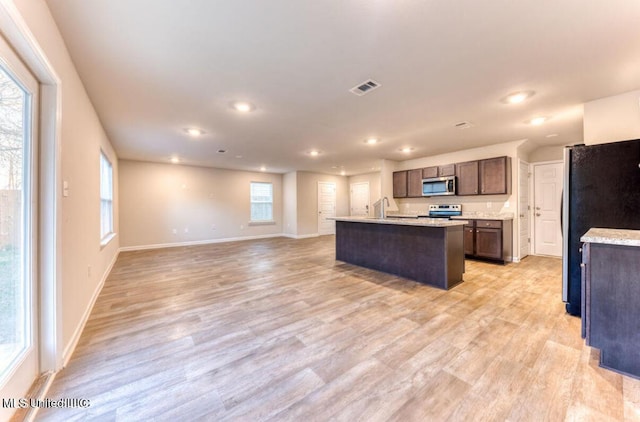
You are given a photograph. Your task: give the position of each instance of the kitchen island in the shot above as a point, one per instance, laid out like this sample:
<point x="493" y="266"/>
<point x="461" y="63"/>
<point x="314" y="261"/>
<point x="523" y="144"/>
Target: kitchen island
<point x="427" y="250"/>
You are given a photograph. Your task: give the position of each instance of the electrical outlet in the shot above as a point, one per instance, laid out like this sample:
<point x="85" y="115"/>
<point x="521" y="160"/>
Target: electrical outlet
<point x="507" y="204"/>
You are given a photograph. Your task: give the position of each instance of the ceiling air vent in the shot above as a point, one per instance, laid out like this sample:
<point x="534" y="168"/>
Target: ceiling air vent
<point x="463" y="125"/>
<point x="365" y="87"/>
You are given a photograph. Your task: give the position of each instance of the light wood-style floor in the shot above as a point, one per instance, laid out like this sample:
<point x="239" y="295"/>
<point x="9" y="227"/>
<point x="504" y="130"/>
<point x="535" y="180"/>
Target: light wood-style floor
<point x="278" y="330"/>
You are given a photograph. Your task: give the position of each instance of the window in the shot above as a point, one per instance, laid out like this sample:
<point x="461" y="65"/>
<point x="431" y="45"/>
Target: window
<point x="261" y="201"/>
<point x="106" y="198"/>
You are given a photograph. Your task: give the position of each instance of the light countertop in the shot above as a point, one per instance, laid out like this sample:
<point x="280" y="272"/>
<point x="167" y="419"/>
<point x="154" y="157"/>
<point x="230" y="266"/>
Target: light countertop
<point x="485" y="216"/>
<point x="423" y="222"/>
<point x="612" y="237"/>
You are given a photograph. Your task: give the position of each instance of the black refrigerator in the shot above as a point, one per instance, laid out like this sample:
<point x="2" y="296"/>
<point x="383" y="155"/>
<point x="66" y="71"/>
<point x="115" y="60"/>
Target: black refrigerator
<point x="601" y="189"/>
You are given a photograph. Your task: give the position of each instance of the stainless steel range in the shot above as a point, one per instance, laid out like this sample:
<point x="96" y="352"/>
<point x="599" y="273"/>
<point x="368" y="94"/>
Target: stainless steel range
<point x="444" y="211"/>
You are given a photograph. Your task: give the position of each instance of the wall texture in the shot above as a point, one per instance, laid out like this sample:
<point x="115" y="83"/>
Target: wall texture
<point x="84" y="262"/>
<point x="290" y="204"/>
<point x="200" y="204"/>
<point x="612" y="119"/>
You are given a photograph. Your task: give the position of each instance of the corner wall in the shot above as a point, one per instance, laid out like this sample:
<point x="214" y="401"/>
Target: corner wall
<point x="201" y="204"/>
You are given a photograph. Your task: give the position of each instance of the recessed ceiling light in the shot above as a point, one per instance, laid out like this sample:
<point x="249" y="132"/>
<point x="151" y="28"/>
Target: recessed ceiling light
<point x="552" y="135"/>
<point x="537" y="121"/>
<point x="194" y="131"/>
<point x="242" y="106"/>
<point x="263" y="168"/>
<point x="314" y="153"/>
<point x="406" y="150"/>
<point x="371" y="141"/>
<point x="518" y="97"/>
<point x="175" y="160"/>
<point x="342" y="173"/>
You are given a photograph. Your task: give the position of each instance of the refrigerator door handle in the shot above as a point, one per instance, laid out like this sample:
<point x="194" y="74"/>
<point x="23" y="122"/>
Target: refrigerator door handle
<point x="564" y="221"/>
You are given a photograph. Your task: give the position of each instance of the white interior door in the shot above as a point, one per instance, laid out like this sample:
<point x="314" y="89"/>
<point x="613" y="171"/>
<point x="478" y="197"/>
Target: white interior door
<point x="547" y="180"/>
<point x="326" y="207"/>
<point x="524" y="208"/>
<point x="19" y="364"/>
<point x="359" y="199"/>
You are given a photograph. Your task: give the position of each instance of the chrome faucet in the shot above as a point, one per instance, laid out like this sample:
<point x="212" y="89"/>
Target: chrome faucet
<point x="384" y="215"/>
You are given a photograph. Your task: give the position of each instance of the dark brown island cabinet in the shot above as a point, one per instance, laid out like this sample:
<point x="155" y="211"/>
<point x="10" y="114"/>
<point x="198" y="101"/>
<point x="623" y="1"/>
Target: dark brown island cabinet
<point x="488" y="240"/>
<point x="425" y="251"/>
<point x="610" y="303"/>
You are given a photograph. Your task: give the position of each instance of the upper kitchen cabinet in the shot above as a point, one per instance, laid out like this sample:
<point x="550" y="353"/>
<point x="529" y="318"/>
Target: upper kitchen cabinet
<point x="484" y="177"/>
<point x="495" y="176"/>
<point x="414" y="183"/>
<point x="448" y="170"/>
<point x="400" y="184"/>
<point x="467" y="174"/>
<point x="429" y="172"/>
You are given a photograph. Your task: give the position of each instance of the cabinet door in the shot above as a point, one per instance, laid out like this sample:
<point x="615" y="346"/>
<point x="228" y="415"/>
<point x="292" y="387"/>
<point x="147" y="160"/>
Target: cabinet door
<point x="429" y="172"/>
<point x="467" y="178"/>
<point x="400" y="184"/>
<point x="469" y="239"/>
<point x="448" y="170"/>
<point x="414" y="183"/>
<point x="495" y="174"/>
<point x="489" y="243"/>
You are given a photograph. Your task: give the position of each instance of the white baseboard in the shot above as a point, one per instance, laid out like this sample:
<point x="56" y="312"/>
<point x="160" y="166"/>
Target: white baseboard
<point x="71" y="347"/>
<point x="196" y="242"/>
<point x="300" y="236"/>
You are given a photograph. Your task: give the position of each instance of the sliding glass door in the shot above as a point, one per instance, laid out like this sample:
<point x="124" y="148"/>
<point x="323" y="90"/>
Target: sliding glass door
<point x="18" y="291"/>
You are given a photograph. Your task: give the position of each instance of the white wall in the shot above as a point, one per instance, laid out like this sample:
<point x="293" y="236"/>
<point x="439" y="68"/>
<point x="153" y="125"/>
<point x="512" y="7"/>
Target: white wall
<point x="290" y="203"/>
<point x="612" y="119"/>
<point x="201" y="204"/>
<point x="374" y="187"/>
<point x="549" y="153"/>
<point x="84" y="262"/>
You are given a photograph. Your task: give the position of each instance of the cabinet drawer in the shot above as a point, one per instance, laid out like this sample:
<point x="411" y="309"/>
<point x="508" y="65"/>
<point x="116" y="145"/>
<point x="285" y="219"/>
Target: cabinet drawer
<point x="489" y="224"/>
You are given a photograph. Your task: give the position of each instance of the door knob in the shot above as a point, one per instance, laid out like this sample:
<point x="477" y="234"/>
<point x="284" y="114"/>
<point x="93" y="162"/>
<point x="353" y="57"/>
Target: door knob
<point x="538" y="208"/>
<point x="538" y="214"/>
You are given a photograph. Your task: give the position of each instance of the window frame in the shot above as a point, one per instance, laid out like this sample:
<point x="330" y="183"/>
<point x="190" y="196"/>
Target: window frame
<point x="106" y="236"/>
<point x="253" y="221"/>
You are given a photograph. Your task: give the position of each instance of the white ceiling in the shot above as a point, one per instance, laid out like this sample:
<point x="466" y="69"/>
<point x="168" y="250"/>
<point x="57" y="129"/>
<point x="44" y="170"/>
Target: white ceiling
<point x="155" y="67"/>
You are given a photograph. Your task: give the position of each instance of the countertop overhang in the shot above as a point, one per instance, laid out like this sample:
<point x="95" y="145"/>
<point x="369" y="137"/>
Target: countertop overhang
<point x="422" y="222"/>
<point x="612" y="237"/>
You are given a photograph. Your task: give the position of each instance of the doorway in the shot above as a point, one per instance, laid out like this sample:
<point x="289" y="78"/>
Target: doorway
<point x="326" y="207"/>
<point x="547" y="181"/>
<point x="19" y="336"/>
<point x="359" y="199"/>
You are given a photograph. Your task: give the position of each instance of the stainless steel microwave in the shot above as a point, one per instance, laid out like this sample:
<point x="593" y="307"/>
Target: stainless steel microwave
<point x="437" y="186"/>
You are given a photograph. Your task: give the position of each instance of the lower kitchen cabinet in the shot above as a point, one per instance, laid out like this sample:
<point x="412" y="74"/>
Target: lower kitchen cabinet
<point x="610" y="311"/>
<point x="489" y="239"/>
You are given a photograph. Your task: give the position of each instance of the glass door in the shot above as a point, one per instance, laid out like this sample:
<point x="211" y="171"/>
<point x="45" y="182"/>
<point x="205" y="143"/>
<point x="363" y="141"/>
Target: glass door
<point x="18" y="292"/>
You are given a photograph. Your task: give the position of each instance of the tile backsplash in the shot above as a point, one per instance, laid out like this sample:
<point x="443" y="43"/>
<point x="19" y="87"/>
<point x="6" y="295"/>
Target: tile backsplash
<point x="488" y="203"/>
